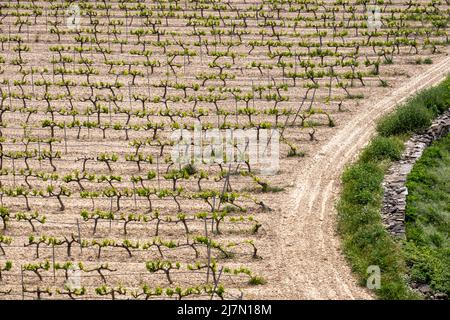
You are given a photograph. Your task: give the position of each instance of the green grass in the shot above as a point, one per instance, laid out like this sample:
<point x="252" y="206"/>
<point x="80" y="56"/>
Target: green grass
<point x="255" y="281"/>
<point x="418" y="112"/>
<point x="428" y="218"/>
<point x="383" y="148"/>
<point x="365" y="240"/>
<point x="408" y="118"/>
<point x="424" y="61"/>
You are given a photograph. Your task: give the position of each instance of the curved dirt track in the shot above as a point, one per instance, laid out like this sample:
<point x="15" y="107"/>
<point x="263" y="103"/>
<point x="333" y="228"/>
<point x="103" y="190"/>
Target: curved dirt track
<point x="306" y="249"/>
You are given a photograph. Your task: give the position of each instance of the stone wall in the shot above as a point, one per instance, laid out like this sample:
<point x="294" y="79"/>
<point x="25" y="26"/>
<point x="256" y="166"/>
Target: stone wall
<point x="394" y="184"/>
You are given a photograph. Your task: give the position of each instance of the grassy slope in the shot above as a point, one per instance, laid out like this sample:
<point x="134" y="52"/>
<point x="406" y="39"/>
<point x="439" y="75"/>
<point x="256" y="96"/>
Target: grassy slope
<point x="428" y="218"/>
<point x="365" y="240"/>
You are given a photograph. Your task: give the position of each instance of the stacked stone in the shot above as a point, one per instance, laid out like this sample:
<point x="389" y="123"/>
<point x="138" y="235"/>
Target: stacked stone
<point x="394" y="184"/>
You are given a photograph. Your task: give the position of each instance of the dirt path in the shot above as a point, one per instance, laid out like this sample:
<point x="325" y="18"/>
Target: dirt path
<point x="307" y="249"/>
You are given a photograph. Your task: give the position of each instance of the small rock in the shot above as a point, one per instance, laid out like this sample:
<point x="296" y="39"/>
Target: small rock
<point x="425" y="289"/>
<point x="440" y="296"/>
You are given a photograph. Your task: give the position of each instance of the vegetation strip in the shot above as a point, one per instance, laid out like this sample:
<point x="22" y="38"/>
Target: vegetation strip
<point x="428" y="223"/>
<point x="395" y="190"/>
<point x="366" y="242"/>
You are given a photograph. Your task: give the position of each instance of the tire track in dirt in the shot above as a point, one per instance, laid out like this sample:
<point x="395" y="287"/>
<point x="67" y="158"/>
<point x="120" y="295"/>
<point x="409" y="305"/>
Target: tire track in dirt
<point x="307" y="253"/>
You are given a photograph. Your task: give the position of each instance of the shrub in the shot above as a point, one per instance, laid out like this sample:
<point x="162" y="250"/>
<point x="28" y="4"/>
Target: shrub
<point x="362" y="183"/>
<point x="436" y="99"/>
<point x="418" y="112"/>
<point x="255" y="281"/>
<point x="382" y="148"/>
<point x="408" y="118"/>
<point x="395" y="290"/>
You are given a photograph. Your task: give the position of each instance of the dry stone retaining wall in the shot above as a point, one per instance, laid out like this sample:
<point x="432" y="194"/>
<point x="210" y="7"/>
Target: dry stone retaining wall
<point x="394" y="184"/>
